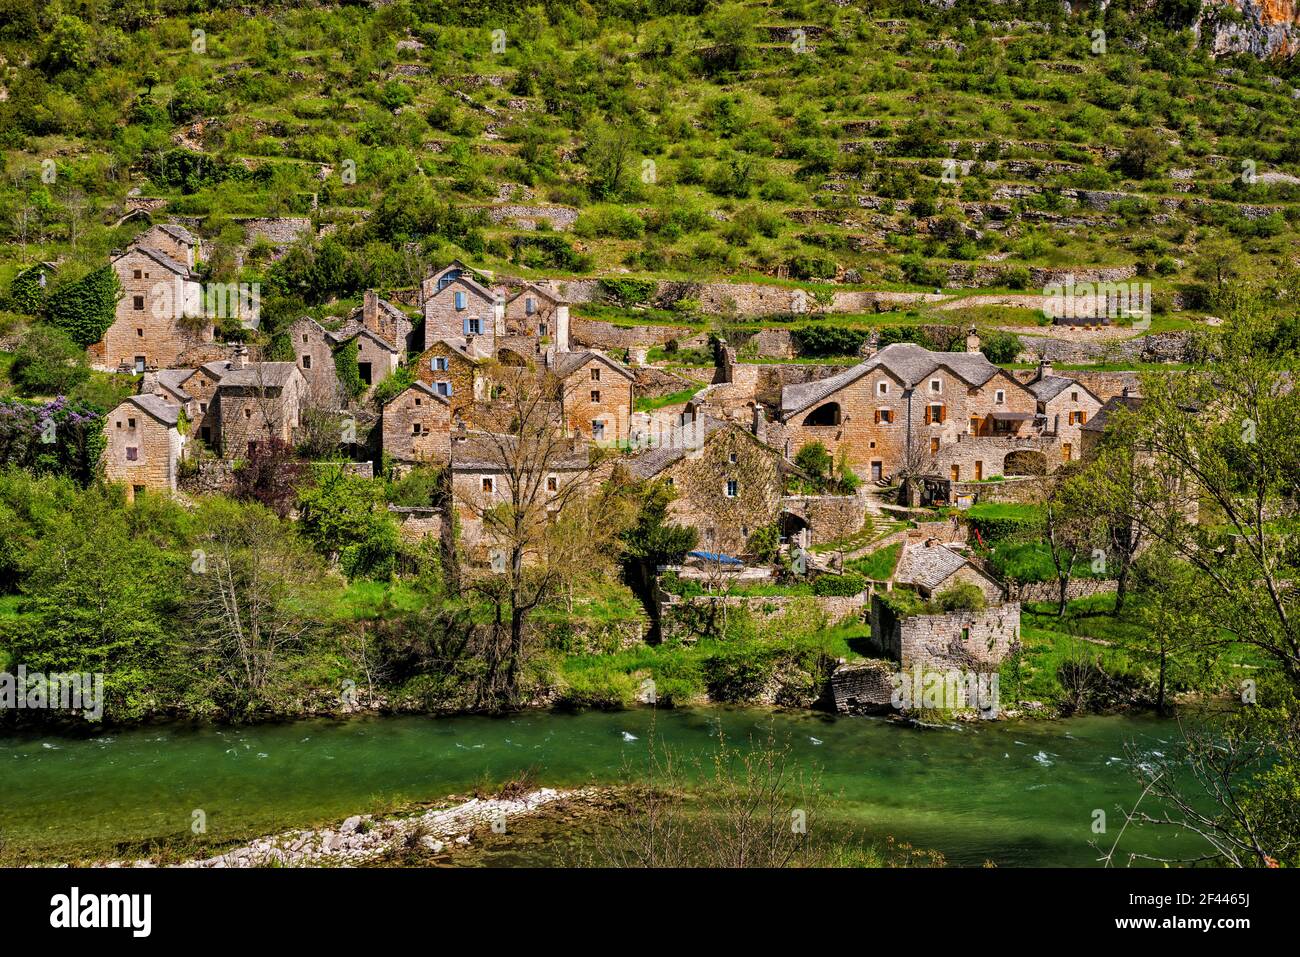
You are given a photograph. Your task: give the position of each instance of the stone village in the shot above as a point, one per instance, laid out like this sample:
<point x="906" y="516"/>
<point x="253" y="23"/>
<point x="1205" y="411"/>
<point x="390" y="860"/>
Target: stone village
<point x="917" y="427"/>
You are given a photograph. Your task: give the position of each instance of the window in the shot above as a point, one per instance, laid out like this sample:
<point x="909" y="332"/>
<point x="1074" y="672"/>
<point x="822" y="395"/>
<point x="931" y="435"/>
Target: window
<point x="139" y="333"/>
<point x="934" y="446"/>
<point x="541" y="328"/>
<point x="139" y="363"/>
<point x="595" y="375"/>
<point x="248" y="413"/>
<point x="1074" y="397"/>
<point x="965" y="633"/>
<point x="136" y="274"/>
<point x="460" y="300"/>
<point x="439" y="364"/>
<point x="473" y="327"/>
<point x="733" y="488"/>
<point x="732" y="458"/>
<point x="598" y="429"/>
<point x="304" y="337"/>
<point x="417" y="401"/>
<point x="137" y="302"/>
<point x="306" y="362"/>
<point x="974" y="425"/>
<point x="119" y="423"/>
<point x="936" y="386"/>
<point x="530" y="305"/>
<point x="595" y="395"/>
<point x="999" y="397"/>
<point x="415" y="428"/>
<point x="203" y="407"/>
<point x="885" y="416"/>
<point x="488" y="483"/>
<point x="552" y="483"/>
<point x="132" y="453"/>
<point x="130" y="423"/>
<point x="882" y="388"/>
<point x="934" y="413"/>
<point x="443" y="389"/>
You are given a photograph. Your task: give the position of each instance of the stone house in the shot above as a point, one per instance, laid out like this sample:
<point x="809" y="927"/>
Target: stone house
<point x="255" y="401"/>
<point x="965" y="640"/>
<point x="176" y="242"/>
<point x="931" y="566"/>
<point x="1066" y="407"/>
<point x="907" y="408"/>
<point x="417" y="427"/>
<point x="454" y="369"/>
<point x="484" y="475"/>
<point x="461" y="307"/>
<point x="537" y="312"/>
<point x="727" y="483"/>
<point x="597" y="395"/>
<point x="387" y="321"/>
<point x="159" y="318"/>
<point x="316" y="355"/>
<point x="144" y="444"/>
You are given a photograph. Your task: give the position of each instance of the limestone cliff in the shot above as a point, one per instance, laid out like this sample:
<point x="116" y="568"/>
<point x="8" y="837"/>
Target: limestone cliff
<point x="1265" y="28"/>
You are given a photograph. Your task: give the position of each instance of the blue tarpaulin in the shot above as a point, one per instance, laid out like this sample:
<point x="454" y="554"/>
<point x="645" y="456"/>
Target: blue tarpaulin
<point x="720" y="559"/>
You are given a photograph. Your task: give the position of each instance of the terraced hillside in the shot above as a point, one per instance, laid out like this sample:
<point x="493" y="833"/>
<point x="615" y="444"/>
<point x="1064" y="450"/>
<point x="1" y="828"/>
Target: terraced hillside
<point x="887" y="147"/>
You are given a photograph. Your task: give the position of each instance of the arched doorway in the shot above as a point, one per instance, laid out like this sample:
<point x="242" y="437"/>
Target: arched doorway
<point x="828" y="414"/>
<point x="794" y="529"/>
<point x="1024" y="462"/>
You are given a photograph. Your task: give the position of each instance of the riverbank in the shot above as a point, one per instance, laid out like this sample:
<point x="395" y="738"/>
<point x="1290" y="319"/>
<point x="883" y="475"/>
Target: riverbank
<point x="419" y="837"/>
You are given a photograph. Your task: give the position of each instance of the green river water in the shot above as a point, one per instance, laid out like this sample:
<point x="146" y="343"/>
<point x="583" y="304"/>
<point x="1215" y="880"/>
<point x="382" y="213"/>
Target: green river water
<point x="1013" y="793"/>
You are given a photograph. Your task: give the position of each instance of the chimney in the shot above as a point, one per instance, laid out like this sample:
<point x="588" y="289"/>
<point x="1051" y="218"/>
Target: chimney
<point x="972" y="340"/>
<point x="370" y="310"/>
<point x="240" y="359"/>
<point x="872" y="345"/>
<point x="760" y="423"/>
<point x="1044" y="368"/>
<point x="562" y="327"/>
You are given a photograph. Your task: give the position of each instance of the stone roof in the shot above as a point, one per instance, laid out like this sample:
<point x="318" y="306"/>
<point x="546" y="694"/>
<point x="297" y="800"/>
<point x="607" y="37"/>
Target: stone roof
<point x="1099" y="421"/>
<point x="421" y="387"/>
<point x="480" y="451"/>
<point x="174" y="380"/>
<point x="179" y="233"/>
<point x="567" y="363"/>
<point x="216" y="368"/>
<point x="542" y="291"/>
<point x="928" y="564"/>
<point x="674" y="447"/>
<point x="160" y="257"/>
<point x="906" y="361"/>
<point x="1049" y="387"/>
<point x="259" y="375"/>
<point x="158" y="407"/>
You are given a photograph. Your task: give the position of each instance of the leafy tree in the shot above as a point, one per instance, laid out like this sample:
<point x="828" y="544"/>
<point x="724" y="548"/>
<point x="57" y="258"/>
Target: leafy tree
<point x="47" y="362"/>
<point x="814" y="459"/>
<point x="340" y="515"/>
<point x="1143" y="154"/>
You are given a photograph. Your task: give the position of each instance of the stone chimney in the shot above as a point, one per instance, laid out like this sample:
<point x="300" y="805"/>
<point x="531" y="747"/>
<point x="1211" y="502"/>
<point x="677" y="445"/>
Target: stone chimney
<point x="972" y="340"/>
<point x="871" y="346"/>
<point x="562" y="327"/>
<point x="1044" y="368"/>
<point x="370" y="310"/>
<point x="240" y="358"/>
<point x="760" y="423"/>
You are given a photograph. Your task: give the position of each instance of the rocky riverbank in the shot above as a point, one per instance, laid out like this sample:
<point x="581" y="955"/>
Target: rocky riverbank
<point x="365" y="839"/>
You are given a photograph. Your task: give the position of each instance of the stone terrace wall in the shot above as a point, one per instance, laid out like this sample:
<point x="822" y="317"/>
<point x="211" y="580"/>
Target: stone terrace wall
<point x="416" y="523"/>
<point x="597" y="334"/>
<point x="1158" y="347"/>
<point x="685" y="617"/>
<point x="1050" y="591"/>
<point x="1029" y="490"/>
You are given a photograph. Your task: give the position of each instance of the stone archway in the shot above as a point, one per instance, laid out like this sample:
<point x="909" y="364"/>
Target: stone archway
<point x="828" y="414"/>
<point x="1024" y="462"/>
<point x="794" y="529"/>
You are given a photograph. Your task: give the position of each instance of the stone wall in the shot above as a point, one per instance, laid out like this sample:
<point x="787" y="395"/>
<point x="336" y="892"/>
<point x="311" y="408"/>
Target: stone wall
<point x="829" y="517"/>
<point x="863" y="687"/>
<point x="943" y="642"/>
<point x="1050" y="591"/>
<point x="1027" y="490"/>
<point x="1157" y="347"/>
<point x="157" y="449"/>
<point x="277" y="230"/>
<point x="597" y="334"/>
<point x="414" y="408"/>
<point x="416" y="524"/>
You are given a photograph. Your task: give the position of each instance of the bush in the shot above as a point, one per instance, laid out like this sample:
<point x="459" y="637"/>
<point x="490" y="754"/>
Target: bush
<point x="47" y="362"/>
<point x="964" y="596"/>
<point x="1000" y="521"/>
<point x="839" y="586"/>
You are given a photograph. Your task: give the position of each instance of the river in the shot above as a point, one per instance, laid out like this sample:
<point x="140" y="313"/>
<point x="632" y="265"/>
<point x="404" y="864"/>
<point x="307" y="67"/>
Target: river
<point x="1008" y="792"/>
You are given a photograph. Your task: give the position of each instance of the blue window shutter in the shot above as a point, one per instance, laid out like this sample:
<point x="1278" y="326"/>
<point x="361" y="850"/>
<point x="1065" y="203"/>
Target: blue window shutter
<point x="466" y="327"/>
<point x="460" y="300"/>
<point x="448" y="389"/>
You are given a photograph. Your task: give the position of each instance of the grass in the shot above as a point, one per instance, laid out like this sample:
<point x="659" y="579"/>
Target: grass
<point x="663" y="401"/>
<point x="878" y="565"/>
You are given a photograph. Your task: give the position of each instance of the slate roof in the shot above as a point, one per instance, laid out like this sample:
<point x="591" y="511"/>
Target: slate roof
<point x="161" y="258"/>
<point x="174" y="380"/>
<point x="907" y="361"/>
<point x="482" y="452"/>
<point x="158" y="407"/>
<point x="421" y="387"/>
<point x="1049" y="387"/>
<point x="259" y="375"/>
<point x="1099" y="421"/>
<point x="928" y="566"/>
<point x="675" y="446"/>
<point x="542" y="291"/>
<point x="567" y="363"/>
<point x="180" y="233"/>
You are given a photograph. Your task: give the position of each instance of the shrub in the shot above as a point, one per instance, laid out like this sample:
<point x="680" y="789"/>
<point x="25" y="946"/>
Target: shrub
<point x="964" y="596"/>
<point x="47" y="362"/>
<point x="839" y="586"/>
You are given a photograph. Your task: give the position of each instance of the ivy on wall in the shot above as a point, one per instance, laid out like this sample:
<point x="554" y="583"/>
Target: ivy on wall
<point x="345" y="364"/>
<point x="86" y="308"/>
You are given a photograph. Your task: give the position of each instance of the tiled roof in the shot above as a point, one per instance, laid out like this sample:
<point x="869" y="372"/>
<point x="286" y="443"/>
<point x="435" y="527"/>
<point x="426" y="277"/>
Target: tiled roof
<point x="907" y="361"/>
<point x="421" y="387"/>
<point x="1049" y="387"/>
